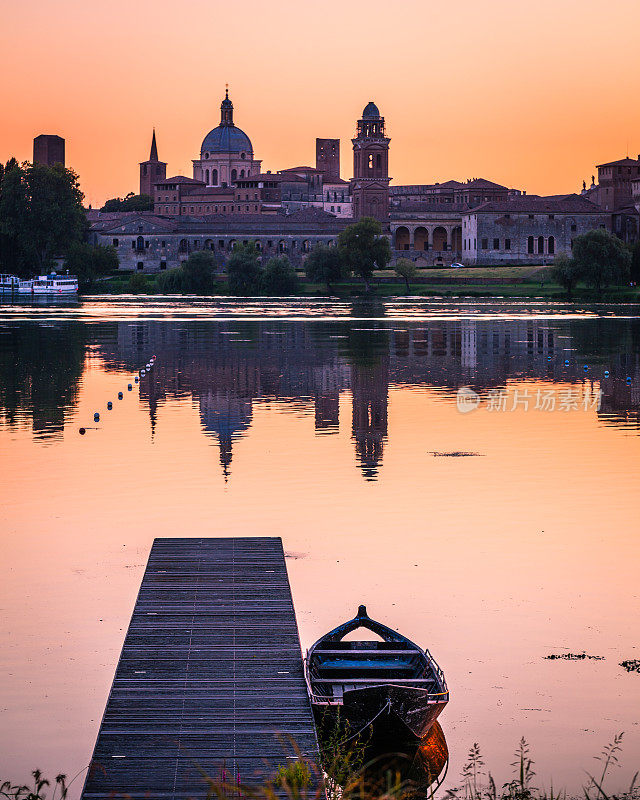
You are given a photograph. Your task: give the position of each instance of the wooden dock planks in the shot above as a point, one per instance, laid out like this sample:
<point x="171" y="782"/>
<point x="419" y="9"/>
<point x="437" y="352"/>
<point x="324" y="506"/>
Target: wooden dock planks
<point x="210" y="676"/>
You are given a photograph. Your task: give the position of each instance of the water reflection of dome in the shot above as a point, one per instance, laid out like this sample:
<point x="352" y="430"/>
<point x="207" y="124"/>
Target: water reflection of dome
<point x="227" y="417"/>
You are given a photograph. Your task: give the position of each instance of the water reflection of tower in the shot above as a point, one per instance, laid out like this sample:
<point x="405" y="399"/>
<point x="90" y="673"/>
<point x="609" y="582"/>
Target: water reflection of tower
<point x="227" y="416"/>
<point x="370" y="393"/>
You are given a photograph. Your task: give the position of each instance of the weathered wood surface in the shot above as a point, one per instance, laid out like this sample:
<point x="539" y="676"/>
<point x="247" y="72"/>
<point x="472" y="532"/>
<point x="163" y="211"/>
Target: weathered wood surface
<point x="210" y="676"/>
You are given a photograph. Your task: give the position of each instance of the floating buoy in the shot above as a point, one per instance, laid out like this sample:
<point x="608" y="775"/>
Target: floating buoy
<point x="586" y="368"/>
<point x="82" y="431"/>
<point x="606" y="373"/>
<point x="548" y="358"/>
<point x="142" y="373"/>
<point x="136" y="379"/>
<point x="96" y="417"/>
<point x="109" y="405"/>
<point x="628" y="380"/>
<point x="129" y="387"/>
<point x="566" y="363"/>
<point x="120" y="395"/>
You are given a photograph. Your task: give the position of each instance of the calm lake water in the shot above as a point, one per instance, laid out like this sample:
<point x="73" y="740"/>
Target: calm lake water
<point x="495" y="526"/>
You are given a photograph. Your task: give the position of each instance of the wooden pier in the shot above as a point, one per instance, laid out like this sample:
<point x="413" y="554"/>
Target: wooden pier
<point x="210" y="678"/>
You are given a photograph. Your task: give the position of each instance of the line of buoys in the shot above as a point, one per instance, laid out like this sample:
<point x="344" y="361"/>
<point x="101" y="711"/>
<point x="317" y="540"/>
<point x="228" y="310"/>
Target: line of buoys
<point x="143" y="371"/>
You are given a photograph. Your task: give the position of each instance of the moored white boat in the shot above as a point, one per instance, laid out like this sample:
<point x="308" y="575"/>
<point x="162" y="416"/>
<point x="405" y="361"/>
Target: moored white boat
<point x="51" y="284"/>
<point x="9" y="283"/>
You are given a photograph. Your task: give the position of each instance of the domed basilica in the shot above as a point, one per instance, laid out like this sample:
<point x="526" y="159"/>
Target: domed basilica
<point x="226" y="154"/>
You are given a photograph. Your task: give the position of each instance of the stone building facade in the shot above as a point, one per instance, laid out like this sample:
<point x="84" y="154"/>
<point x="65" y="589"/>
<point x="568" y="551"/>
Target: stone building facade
<point x="427" y="233"/>
<point x="146" y="242"/>
<point x="527" y="230"/>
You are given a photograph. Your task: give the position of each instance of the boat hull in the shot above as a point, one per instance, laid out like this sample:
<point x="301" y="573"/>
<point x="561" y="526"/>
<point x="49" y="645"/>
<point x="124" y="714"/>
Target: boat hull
<point x="395" y="714"/>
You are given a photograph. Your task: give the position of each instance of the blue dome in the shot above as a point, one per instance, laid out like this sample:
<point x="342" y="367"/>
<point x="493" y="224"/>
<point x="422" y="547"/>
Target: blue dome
<point x="227" y="139"/>
<point x="371" y="111"/>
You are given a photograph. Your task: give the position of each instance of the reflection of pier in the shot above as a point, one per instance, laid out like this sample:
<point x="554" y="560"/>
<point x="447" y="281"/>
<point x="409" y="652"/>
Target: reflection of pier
<point x="226" y="368"/>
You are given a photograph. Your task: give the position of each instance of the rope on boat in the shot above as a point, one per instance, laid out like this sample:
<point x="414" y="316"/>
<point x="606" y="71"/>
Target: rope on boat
<point x="371" y="721"/>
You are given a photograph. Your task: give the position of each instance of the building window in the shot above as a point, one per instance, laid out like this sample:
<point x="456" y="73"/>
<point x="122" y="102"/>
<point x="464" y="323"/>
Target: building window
<point x="530" y="244"/>
<point x="530" y="216"/>
<point x="163" y="265"/>
<point x="551" y="245"/>
<point x="552" y="216"/>
<point x="115" y="242"/>
<point x="540" y="244"/>
<point x="574" y="228"/>
<point x="221" y="244"/>
<point x="140" y="265"/>
<point x="507" y="244"/>
<point x="485" y="244"/>
<point x="496" y="244"/>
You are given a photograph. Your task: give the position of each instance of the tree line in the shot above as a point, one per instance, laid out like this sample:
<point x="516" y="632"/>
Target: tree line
<point x="598" y="259"/>
<point x="41" y="219"/>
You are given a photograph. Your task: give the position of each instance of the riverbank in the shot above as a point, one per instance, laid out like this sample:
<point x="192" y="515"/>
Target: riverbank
<point x="498" y="281"/>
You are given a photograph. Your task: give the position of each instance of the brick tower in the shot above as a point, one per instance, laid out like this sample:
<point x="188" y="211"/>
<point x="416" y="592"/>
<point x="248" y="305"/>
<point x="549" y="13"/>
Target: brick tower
<point x="328" y="158"/>
<point x="370" y="182"/>
<point x="48" y="149"/>
<point x="152" y="171"/>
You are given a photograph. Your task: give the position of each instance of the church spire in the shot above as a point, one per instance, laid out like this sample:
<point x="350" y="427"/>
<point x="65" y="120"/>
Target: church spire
<point x="153" y="156"/>
<point x="226" y="109"/>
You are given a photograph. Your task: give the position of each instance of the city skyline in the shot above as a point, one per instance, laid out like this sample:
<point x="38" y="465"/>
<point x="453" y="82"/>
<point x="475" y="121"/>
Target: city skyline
<point x="532" y="97"/>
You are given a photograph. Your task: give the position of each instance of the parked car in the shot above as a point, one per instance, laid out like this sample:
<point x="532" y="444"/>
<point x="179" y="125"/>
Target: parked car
<point x="456" y="265"/>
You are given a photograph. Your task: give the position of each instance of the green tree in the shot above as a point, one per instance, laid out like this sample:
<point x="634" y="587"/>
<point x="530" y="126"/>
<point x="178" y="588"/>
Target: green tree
<point x="171" y="281"/>
<point x="635" y="262"/>
<point x="14" y="209"/>
<point x="279" y="277"/>
<point x="138" y="283"/>
<point x="565" y="271"/>
<point x="90" y="262"/>
<point x="131" y="202"/>
<point x="363" y="248"/>
<point x="324" y="265"/>
<point x="199" y="272"/>
<point x="406" y="269"/>
<point x="41" y="213"/>
<point x="601" y="259"/>
<point x="243" y="269"/>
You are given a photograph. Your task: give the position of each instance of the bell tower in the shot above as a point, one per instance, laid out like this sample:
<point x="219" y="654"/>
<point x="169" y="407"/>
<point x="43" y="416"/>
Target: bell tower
<point x="152" y="171"/>
<point x="370" y="182"/>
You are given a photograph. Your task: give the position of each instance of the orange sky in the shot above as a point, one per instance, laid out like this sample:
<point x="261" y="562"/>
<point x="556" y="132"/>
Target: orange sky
<point x="530" y="94"/>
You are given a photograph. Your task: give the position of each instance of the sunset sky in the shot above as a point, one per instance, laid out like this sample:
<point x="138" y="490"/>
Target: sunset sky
<point x="529" y="94"/>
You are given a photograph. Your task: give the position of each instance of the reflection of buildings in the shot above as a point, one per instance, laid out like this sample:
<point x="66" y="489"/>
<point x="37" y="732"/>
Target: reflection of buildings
<point x="227" y="368"/>
<point x="226" y="416"/>
<point x="370" y="393"/>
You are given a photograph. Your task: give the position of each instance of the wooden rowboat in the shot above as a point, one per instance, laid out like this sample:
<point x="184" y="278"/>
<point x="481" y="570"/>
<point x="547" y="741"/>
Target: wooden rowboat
<point x="392" y="686"/>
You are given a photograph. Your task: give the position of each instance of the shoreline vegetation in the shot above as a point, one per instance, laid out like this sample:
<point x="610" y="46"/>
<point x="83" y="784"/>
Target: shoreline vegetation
<point x="300" y="779"/>
<point x="481" y="282"/>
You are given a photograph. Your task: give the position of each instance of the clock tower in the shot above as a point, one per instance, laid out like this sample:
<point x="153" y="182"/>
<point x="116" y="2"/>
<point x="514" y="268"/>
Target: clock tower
<point x="370" y="182"/>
